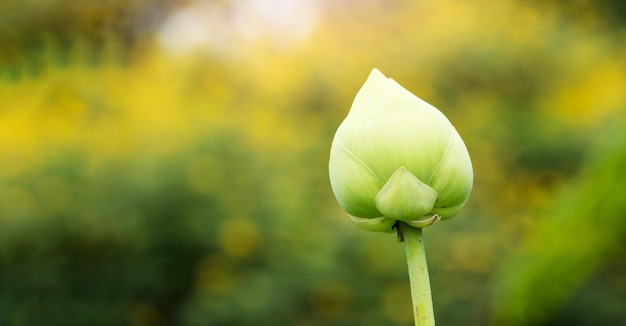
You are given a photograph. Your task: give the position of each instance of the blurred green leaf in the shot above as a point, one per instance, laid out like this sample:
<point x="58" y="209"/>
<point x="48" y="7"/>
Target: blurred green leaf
<point x="576" y="237"/>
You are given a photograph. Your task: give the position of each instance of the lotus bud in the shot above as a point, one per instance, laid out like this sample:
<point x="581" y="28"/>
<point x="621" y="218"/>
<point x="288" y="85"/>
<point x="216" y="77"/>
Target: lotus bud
<point x="397" y="158"/>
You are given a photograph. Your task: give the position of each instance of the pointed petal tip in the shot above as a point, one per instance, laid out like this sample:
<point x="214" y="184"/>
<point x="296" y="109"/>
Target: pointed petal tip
<point x="376" y="74"/>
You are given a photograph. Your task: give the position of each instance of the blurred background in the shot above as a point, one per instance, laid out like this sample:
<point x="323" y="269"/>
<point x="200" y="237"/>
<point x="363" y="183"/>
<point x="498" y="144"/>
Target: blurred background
<point x="165" y="162"/>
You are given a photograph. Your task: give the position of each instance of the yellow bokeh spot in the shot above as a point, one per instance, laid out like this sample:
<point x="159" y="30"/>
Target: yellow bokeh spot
<point x="396" y="303"/>
<point x="214" y="276"/>
<point x="146" y="315"/>
<point x="332" y="298"/>
<point x="588" y="100"/>
<point x="239" y="237"/>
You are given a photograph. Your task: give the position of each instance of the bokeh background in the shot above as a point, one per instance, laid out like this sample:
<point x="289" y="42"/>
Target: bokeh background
<point x="165" y="162"/>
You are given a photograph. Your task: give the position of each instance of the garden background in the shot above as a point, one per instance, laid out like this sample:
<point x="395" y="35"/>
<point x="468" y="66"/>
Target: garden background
<point x="165" y="162"/>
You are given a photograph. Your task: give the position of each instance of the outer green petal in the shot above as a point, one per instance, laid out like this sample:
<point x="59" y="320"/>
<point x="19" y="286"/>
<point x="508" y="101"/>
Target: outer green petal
<point x="354" y="184"/>
<point x="453" y="178"/>
<point x="378" y="224"/>
<point x="365" y="101"/>
<point x="404" y="197"/>
<point x="402" y="130"/>
<point x="371" y="92"/>
<point x="446" y="212"/>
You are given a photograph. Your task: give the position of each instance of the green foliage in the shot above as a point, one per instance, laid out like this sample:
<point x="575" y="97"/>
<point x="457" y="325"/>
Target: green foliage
<point x="145" y="239"/>
<point x="29" y="27"/>
<point x="578" y="238"/>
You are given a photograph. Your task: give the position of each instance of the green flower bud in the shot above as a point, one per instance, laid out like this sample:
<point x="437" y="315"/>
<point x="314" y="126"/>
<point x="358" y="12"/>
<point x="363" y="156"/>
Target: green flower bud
<point x="397" y="158"/>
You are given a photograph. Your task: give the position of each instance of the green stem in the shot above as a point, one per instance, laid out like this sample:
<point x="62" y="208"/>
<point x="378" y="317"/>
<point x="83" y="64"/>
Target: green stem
<point x="418" y="275"/>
